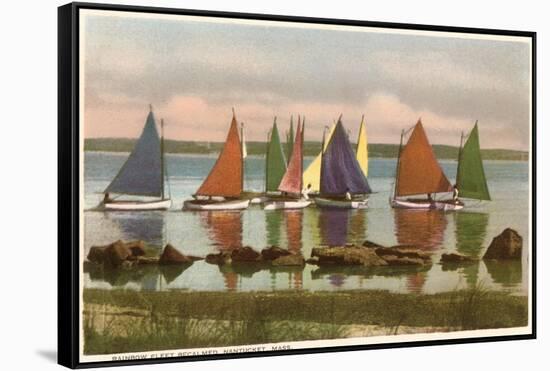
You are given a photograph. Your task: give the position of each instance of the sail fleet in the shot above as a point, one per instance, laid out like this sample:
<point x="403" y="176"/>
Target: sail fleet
<point x="336" y="178"/>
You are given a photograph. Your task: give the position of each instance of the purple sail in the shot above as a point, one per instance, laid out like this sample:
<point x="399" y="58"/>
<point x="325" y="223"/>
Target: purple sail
<point x="340" y="171"/>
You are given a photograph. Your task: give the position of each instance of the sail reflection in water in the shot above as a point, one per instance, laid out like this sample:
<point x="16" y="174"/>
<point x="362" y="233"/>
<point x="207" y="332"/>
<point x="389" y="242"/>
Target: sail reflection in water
<point x="293" y="221"/>
<point x="149" y="226"/>
<point x="336" y="227"/>
<point x="128" y="226"/>
<point x="470" y="232"/>
<point x="424" y="229"/>
<point x="273" y="221"/>
<point x="333" y="226"/>
<point x="225" y="229"/>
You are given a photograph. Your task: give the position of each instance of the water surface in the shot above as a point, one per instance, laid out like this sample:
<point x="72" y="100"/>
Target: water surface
<point x="199" y="233"/>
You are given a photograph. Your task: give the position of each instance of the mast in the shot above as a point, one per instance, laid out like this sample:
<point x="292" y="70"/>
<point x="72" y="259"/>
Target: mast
<point x="162" y="157"/>
<point x="459" y="157"/>
<point x="269" y="133"/>
<point x="242" y="156"/>
<point x="359" y="135"/>
<point x="322" y="155"/>
<point x="302" y="157"/>
<point x="397" y="165"/>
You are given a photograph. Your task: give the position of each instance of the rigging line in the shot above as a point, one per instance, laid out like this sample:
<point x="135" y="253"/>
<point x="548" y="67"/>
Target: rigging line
<point x="166" y="175"/>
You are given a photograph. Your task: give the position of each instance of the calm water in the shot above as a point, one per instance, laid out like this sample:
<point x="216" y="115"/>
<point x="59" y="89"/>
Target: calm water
<point x="199" y="233"/>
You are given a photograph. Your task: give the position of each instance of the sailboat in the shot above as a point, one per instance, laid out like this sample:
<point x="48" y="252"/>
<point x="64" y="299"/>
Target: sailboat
<point x="418" y="172"/>
<point x="290" y="139"/>
<point x="343" y="184"/>
<point x="222" y="188"/>
<point x="470" y="175"/>
<point x="291" y="183"/>
<point x="142" y="174"/>
<point x="362" y="152"/>
<point x="312" y="175"/>
<point x="275" y="162"/>
<point x="275" y="166"/>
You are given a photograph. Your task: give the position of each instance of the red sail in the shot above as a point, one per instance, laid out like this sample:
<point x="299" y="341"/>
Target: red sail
<point x="418" y="171"/>
<point x="292" y="180"/>
<point x="226" y="177"/>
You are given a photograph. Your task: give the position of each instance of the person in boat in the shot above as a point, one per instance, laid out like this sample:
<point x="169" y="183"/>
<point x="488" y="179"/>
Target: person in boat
<point x="455" y="194"/>
<point x="348" y="195"/>
<point x="431" y="200"/>
<point x="107" y="198"/>
<point x="305" y="192"/>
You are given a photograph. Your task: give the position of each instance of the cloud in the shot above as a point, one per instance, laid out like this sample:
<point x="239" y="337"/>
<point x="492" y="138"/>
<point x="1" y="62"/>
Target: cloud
<point x="194" y="72"/>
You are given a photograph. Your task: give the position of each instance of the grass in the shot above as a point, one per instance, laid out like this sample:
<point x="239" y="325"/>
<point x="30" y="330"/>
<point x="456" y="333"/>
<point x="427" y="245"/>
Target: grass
<point x="128" y="321"/>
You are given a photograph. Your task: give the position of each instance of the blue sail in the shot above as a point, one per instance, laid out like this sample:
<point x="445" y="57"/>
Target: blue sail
<point x="340" y="171"/>
<point x="141" y="174"/>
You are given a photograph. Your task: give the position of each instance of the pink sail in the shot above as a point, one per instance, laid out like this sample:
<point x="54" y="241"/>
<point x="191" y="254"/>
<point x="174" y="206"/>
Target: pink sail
<point x="292" y="180"/>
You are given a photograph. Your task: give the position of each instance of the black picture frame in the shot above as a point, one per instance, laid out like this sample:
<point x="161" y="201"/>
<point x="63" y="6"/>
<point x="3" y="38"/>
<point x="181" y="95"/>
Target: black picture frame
<point x="68" y="180"/>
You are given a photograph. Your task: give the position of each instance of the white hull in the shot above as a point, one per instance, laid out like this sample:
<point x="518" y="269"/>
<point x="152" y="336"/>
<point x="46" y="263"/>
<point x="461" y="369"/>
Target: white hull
<point x="258" y="200"/>
<point x="447" y="205"/>
<point x="220" y="205"/>
<point x="341" y="204"/>
<point x="277" y="205"/>
<point x="138" y="205"/>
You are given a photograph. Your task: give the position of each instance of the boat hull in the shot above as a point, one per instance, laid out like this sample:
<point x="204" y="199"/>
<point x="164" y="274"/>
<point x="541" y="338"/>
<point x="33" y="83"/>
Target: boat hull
<point x="341" y="204"/>
<point x="258" y="200"/>
<point x="219" y="205"/>
<point x="137" y="205"/>
<point x="446" y="205"/>
<point x="290" y="204"/>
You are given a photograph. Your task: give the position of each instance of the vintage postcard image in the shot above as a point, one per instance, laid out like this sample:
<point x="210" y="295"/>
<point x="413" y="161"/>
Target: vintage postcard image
<point x="255" y="185"/>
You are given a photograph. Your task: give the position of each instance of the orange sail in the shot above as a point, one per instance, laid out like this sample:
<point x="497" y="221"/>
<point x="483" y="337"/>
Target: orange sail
<point x="292" y="180"/>
<point x="226" y="177"/>
<point x="418" y="171"/>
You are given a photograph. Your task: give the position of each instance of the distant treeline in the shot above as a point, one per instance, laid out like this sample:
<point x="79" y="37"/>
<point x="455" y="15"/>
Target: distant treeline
<point x="310" y="149"/>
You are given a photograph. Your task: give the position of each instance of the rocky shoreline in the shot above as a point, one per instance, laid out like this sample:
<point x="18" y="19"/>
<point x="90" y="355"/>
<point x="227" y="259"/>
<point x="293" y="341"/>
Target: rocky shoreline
<point x="120" y="254"/>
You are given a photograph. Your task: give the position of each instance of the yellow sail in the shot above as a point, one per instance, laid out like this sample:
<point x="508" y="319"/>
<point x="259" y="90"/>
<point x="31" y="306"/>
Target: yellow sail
<point x="312" y="175"/>
<point x="362" y="153"/>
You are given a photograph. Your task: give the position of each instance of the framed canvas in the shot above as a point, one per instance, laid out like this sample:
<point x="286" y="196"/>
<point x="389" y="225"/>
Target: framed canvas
<point x="238" y="185"/>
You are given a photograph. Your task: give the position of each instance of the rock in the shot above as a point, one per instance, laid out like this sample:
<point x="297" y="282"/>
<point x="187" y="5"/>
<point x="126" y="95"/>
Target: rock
<point x="245" y="254"/>
<point x="404" y="255"/>
<point x="97" y="254"/>
<point x="456" y="258"/>
<point x="340" y="255"/>
<point x="195" y="258"/>
<point x="171" y="255"/>
<point x="127" y="264"/>
<point x="116" y="253"/>
<point x="147" y="260"/>
<point x="221" y="258"/>
<point x="371" y="245"/>
<point x="273" y="252"/>
<point x="137" y="248"/>
<point x="403" y="260"/>
<point x="507" y="245"/>
<point x="403" y="251"/>
<point x="313" y="261"/>
<point x="289" y="260"/>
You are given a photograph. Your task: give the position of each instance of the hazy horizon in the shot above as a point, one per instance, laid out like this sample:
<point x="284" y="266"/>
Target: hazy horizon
<point x="193" y="71"/>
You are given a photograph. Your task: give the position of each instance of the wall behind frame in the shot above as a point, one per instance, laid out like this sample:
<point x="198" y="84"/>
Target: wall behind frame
<point x="29" y="142"/>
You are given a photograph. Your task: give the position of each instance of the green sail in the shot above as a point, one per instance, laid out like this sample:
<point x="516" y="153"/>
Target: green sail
<point x="471" y="181"/>
<point x="275" y="166"/>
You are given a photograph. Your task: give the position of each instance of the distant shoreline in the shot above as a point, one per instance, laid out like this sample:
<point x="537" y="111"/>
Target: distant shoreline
<point x="376" y="150"/>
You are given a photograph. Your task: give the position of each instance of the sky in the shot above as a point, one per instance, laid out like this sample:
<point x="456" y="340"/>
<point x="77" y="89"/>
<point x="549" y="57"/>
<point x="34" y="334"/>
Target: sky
<point x="194" y="70"/>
